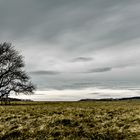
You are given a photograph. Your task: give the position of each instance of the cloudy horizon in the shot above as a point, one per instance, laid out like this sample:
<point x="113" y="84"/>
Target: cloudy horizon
<point x="76" y="45"/>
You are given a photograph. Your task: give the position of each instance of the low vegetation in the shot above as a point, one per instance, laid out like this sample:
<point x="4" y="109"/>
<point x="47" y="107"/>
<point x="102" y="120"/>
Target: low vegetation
<point x="112" y="120"/>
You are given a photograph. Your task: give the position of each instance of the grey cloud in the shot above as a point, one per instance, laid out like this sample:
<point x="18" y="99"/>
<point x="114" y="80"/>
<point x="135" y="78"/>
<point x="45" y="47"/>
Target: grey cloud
<point x="82" y="59"/>
<point x="51" y="32"/>
<point x="50" y="20"/>
<point x="44" y="72"/>
<point x="73" y="25"/>
<point x="96" y="70"/>
<point x="95" y="93"/>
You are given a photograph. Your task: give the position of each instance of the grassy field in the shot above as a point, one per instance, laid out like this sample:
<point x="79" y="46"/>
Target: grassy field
<point x="114" y="120"/>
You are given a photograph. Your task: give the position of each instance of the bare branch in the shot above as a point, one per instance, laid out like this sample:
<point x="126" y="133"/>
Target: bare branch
<point x="12" y="76"/>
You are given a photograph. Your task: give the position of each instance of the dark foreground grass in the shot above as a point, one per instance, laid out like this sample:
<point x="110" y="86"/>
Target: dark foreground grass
<point x="115" y="120"/>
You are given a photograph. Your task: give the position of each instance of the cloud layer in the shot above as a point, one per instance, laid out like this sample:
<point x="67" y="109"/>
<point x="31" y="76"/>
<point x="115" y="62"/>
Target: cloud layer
<point x="74" y="40"/>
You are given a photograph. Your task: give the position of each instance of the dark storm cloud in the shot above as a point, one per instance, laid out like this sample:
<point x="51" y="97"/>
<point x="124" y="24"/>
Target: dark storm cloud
<point x="82" y="59"/>
<point x="44" y="73"/>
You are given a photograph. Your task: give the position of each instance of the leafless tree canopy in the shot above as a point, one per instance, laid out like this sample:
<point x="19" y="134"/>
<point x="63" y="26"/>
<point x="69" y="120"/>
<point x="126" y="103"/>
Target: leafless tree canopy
<point x="12" y="76"/>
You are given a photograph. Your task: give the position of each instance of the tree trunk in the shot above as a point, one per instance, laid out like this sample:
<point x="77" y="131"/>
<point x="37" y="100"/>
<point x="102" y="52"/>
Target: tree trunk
<point x="5" y="100"/>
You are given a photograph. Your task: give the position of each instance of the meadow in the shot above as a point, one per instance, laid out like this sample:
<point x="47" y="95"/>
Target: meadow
<point x="100" y="120"/>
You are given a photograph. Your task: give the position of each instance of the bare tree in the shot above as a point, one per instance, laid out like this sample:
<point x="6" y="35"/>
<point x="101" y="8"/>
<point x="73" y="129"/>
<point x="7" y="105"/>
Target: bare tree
<point x="13" y="78"/>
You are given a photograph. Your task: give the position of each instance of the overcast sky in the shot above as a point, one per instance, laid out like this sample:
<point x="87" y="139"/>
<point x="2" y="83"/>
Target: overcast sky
<point x="69" y="43"/>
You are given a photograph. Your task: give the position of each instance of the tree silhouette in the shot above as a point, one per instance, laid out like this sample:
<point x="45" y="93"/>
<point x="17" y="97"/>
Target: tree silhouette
<point x="13" y="78"/>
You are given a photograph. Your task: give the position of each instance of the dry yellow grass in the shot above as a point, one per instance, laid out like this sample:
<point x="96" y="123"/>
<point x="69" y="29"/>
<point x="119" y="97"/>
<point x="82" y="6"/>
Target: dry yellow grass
<point x="70" y="120"/>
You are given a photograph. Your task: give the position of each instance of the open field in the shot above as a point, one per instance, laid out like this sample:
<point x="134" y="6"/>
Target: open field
<point x="70" y="120"/>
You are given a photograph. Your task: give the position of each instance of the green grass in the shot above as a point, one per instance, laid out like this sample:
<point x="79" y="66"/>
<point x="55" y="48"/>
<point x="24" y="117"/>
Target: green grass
<point x="114" y="120"/>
